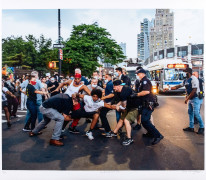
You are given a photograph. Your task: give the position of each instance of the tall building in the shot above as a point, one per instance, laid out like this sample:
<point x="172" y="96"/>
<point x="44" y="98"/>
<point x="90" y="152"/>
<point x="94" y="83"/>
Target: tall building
<point x="162" y="34"/>
<point x="143" y="39"/>
<point x="123" y="46"/>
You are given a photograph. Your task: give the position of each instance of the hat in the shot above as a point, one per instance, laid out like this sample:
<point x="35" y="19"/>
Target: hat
<point x="77" y="75"/>
<point x="118" y="82"/>
<point x="141" y="71"/>
<point x="189" y="70"/>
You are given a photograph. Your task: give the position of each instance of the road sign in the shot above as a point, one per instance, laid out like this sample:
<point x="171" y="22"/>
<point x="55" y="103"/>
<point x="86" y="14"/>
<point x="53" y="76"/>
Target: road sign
<point x="58" y="46"/>
<point x="61" y="54"/>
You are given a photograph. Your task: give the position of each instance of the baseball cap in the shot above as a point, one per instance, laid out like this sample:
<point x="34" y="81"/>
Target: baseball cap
<point x="118" y="82"/>
<point x="141" y="71"/>
<point x="189" y="70"/>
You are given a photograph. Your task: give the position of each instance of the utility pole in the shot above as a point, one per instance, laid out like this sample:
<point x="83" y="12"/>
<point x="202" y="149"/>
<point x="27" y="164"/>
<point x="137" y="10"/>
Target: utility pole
<point x="59" y="42"/>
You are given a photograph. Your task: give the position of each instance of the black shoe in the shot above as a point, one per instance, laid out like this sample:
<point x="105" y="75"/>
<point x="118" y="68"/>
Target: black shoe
<point x="73" y="130"/>
<point x="147" y="135"/>
<point x="200" y="131"/>
<point x="15" y="116"/>
<point x="88" y="121"/>
<point x="127" y="142"/>
<point x="8" y="124"/>
<point x="157" y="140"/>
<point x="137" y="127"/>
<point x="26" y="129"/>
<point x="110" y="134"/>
<point x="188" y="129"/>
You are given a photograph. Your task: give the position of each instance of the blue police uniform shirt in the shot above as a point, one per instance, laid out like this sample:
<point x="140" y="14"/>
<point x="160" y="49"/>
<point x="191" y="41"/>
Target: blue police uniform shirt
<point x="190" y="84"/>
<point x="37" y="86"/>
<point x="109" y="90"/>
<point x="146" y="85"/>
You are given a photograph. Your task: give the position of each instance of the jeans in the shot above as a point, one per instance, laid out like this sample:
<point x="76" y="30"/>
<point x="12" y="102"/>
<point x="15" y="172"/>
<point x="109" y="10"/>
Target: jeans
<point x="23" y="100"/>
<point x="194" y="111"/>
<point x="39" y="114"/>
<point x="31" y="105"/>
<point x="146" y="123"/>
<point x="118" y="115"/>
<point x="103" y="116"/>
<point x="51" y="114"/>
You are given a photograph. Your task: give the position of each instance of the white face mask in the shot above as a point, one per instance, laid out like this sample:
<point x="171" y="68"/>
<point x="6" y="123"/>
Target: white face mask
<point x="94" y="85"/>
<point x="95" y="77"/>
<point x="116" y="74"/>
<point x="106" y="81"/>
<point x="137" y="77"/>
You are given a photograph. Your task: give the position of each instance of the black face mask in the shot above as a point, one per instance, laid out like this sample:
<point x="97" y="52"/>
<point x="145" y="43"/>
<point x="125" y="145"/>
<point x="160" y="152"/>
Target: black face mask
<point x="187" y="75"/>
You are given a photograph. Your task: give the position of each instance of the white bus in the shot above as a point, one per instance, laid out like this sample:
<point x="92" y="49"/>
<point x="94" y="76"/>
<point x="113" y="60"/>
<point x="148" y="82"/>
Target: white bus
<point x="131" y="72"/>
<point x="168" y="73"/>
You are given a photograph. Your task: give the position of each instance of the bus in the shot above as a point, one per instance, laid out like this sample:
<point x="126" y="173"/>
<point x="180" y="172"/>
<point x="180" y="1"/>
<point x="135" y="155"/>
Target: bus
<point x="131" y="73"/>
<point x="168" y="73"/>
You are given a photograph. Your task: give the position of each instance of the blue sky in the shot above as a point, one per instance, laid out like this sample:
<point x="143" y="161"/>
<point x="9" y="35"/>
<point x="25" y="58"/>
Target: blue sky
<point x="123" y="24"/>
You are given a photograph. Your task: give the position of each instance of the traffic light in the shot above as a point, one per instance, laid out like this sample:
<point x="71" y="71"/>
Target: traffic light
<point x="52" y="64"/>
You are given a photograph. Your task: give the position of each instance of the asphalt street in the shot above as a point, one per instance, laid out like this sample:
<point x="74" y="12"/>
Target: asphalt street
<point x="178" y="150"/>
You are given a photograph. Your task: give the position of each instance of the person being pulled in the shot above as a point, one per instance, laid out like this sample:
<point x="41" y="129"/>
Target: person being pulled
<point x="145" y="92"/>
<point x="91" y="109"/>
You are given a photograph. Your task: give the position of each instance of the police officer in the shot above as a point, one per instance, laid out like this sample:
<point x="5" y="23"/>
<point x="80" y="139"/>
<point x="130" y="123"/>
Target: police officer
<point x="145" y="92"/>
<point x="192" y="89"/>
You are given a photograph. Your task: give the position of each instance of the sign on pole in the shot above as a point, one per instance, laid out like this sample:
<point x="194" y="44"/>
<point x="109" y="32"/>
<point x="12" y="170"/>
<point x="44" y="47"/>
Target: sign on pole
<point x="61" y="54"/>
<point x="58" y="45"/>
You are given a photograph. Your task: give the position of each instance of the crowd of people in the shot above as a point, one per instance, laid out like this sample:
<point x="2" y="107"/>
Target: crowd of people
<point x="74" y="97"/>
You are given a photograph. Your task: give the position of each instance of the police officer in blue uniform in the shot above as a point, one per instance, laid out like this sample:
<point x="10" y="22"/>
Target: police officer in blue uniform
<point x="145" y="92"/>
<point x="192" y="89"/>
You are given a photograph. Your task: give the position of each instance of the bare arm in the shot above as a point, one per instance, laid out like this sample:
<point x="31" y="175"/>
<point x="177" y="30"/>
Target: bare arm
<point x="143" y="93"/>
<point x="107" y="97"/>
<point x="190" y="95"/>
<point x="109" y="106"/>
<point x="86" y="89"/>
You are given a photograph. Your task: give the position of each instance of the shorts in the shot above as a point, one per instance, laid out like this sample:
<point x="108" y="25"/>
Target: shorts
<point x="4" y="104"/>
<point x="130" y="115"/>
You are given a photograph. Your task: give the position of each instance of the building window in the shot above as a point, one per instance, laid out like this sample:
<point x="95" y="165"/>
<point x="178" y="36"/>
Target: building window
<point x="197" y="51"/>
<point x="182" y="53"/>
<point x="170" y="55"/>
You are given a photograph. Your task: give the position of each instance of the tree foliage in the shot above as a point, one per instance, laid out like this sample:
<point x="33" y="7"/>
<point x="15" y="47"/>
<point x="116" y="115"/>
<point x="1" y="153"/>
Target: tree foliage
<point x="87" y="45"/>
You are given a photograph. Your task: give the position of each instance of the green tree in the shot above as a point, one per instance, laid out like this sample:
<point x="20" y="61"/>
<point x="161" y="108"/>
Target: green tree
<point x="88" y="44"/>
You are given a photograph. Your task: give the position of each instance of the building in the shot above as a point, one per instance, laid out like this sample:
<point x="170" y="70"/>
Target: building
<point x="123" y="46"/>
<point x="143" y="51"/>
<point x="162" y="34"/>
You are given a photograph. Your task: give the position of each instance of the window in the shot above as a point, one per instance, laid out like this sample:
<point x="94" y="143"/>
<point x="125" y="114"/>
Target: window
<point x="197" y="51"/>
<point x="171" y="74"/>
<point x="182" y="53"/>
<point x="170" y="55"/>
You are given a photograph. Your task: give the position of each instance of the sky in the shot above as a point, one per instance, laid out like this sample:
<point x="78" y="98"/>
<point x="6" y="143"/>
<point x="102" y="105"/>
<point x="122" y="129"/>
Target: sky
<point x="123" y="24"/>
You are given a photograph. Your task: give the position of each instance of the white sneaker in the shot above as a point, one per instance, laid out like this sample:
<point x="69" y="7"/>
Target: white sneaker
<point x="89" y="134"/>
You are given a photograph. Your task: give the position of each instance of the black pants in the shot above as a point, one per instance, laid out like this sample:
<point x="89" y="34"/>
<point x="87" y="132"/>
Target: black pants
<point x="103" y="116"/>
<point x="81" y="113"/>
<point x="146" y="123"/>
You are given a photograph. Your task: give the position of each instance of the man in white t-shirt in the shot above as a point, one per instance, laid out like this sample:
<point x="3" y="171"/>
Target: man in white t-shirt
<point x="90" y="109"/>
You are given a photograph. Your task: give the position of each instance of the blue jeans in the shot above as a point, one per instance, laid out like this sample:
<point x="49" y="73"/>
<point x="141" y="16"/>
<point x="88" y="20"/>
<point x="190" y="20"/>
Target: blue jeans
<point x="39" y="114"/>
<point x="194" y="111"/>
<point x="118" y="115"/>
<point x="31" y="106"/>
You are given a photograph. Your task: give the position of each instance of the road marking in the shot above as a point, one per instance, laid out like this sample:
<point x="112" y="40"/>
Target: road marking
<point x="171" y="96"/>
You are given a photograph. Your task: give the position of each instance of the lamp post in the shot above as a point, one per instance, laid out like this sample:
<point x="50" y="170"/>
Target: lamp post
<point x="59" y="41"/>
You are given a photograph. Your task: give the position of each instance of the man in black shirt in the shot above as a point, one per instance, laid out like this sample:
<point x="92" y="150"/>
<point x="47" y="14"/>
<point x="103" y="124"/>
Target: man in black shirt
<point x="129" y="108"/>
<point x="56" y="108"/>
<point x="122" y="77"/>
<point x="52" y="86"/>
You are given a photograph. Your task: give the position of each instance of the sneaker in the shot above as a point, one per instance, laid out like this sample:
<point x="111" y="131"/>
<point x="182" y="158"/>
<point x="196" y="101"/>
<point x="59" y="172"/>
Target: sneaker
<point x="127" y="141"/>
<point x="110" y="134"/>
<point x="188" y="129"/>
<point x="73" y="130"/>
<point x="89" y="134"/>
<point x="63" y="130"/>
<point x="200" y="131"/>
<point x="26" y="129"/>
<point x="9" y="124"/>
<point x="137" y="127"/>
<point x="157" y="140"/>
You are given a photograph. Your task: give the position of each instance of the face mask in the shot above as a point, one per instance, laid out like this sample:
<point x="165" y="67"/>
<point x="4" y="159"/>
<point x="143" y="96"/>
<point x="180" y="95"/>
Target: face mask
<point x="33" y="82"/>
<point x="106" y="81"/>
<point x="71" y="78"/>
<point x="94" y="85"/>
<point x="137" y="77"/>
<point x="187" y="76"/>
<point x="116" y="74"/>
<point x="52" y="79"/>
<point x="96" y="77"/>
